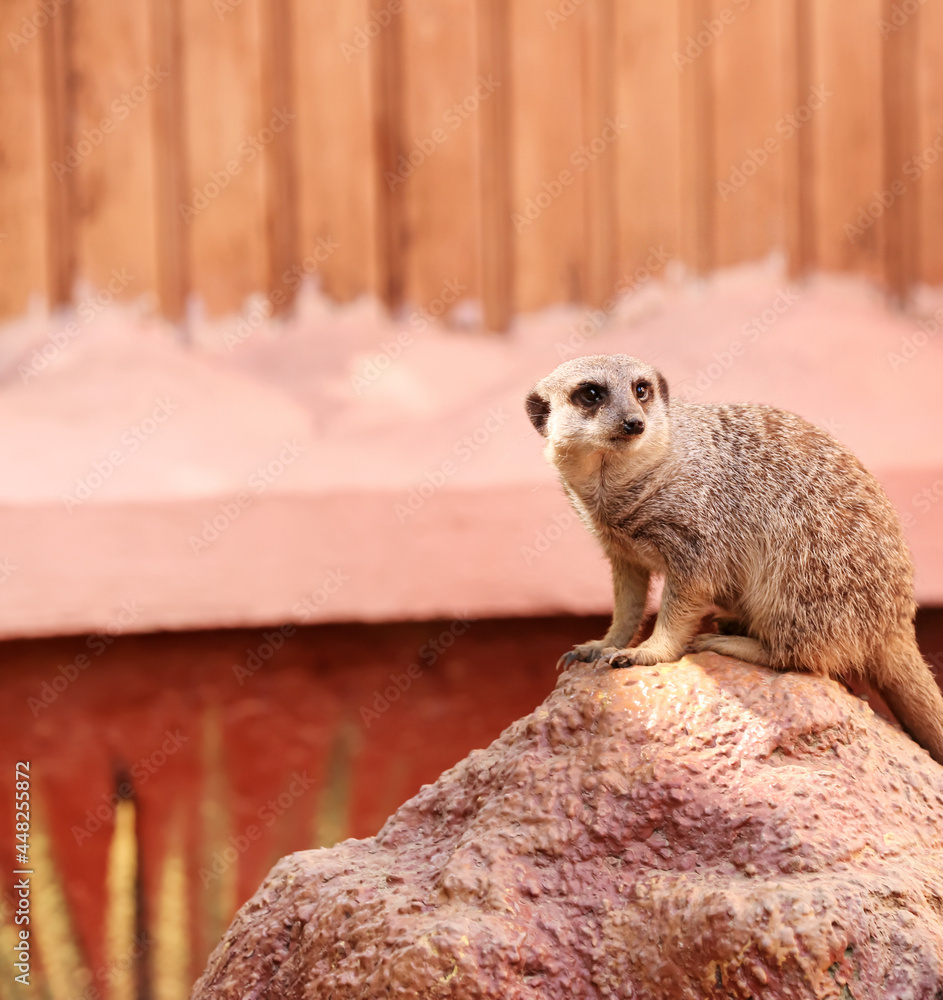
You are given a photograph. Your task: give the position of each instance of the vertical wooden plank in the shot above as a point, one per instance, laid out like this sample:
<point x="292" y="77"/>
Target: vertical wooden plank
<point x="698" y="127"/>
<point x="442" y="99"/>
<point x="929" y="142"/>
<point x="648" y="99"/>
<point x="497" y="258"/>
<point x="227" y="136"/>
<point x="848" y="136"/>
<point x="599" y="119"/>
<point x="386" y="63"/>
<point x="281" y="158"/>
<point x="336" y="159"/>
<point x="111" y="153"/>
<point x="800" y="177"/>
<point x="170" y="163"/>
<point x="901" y="135"/>
<point x="754" y="128"/>
<point x="59" y="101"/>
<point x="549" y="168"/>
<point x="23" y="163"/>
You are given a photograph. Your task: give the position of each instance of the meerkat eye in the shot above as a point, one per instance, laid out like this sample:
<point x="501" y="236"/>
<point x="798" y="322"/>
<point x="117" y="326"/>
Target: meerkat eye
<point x="643" y="392"/>
<point x="589" y="395"/>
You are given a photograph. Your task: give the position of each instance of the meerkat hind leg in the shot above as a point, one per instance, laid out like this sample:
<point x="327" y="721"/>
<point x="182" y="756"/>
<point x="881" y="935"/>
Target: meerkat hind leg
<point x="740" y="647"/>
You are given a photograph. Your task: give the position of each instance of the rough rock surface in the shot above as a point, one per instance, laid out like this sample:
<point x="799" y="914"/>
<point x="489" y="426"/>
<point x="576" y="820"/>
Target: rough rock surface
<point x="690" y="830"/>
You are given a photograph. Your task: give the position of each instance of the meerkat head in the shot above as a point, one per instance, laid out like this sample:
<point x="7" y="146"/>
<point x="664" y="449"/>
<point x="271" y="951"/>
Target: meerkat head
<point x="606" y="404"/>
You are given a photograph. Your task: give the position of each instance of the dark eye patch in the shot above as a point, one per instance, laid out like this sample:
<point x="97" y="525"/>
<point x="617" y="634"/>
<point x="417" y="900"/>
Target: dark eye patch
<point x="589" y="395"/>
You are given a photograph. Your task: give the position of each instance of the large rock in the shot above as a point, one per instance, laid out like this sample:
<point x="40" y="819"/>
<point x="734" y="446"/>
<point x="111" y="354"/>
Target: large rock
<point x="699" y="829"/>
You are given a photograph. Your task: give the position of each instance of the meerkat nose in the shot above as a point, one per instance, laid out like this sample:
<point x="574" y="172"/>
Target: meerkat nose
<point x="633" y="425"/>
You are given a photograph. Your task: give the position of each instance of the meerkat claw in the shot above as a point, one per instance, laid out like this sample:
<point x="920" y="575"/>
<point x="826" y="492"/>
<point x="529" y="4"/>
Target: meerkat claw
<point x="567" y="660"/>
<point x="621" y="659"/>
<point x="635" y="656"/>
<point x="587" y="652"/>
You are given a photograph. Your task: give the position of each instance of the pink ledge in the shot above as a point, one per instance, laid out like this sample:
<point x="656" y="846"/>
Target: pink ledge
<point x="341" y="467"/>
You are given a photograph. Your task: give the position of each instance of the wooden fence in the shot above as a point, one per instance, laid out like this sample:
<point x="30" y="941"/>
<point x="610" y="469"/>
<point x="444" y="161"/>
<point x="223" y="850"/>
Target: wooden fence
<point x="525" y="151"/>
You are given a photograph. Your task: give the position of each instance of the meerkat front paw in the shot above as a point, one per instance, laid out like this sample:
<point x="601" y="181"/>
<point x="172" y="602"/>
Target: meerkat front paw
<point x="586" y="652"/>
<point x="638" y="656"/>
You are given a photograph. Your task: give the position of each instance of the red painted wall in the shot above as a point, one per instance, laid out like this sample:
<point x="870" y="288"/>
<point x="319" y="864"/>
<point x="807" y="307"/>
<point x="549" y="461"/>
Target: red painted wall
<point x="343" y="722"/>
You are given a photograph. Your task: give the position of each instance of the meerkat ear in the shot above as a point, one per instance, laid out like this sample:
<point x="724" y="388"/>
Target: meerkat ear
<point x="663" y="388"/>
<point x="538" y="409"/>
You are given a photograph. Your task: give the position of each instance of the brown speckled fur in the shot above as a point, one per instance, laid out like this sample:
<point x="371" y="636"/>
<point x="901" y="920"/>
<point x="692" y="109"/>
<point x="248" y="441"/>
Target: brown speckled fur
<point x="746" y="509"/>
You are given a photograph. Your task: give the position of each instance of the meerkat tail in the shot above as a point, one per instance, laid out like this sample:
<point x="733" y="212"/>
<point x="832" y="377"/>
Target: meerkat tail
<point x="915" y="699"/>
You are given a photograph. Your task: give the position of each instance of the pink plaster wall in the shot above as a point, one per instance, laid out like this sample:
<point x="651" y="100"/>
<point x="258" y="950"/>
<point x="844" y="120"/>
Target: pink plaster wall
<point x="346" y="446"/>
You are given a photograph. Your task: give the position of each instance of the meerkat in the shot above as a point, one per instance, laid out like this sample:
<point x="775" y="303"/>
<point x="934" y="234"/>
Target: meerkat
<point x="748" y="511"/>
